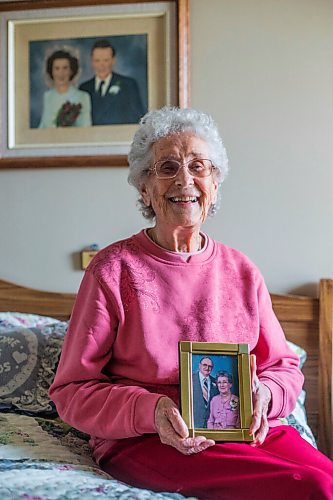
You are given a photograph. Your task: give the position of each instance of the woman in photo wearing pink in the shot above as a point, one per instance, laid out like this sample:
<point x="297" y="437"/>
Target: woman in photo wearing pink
<point x="224" y="408"/>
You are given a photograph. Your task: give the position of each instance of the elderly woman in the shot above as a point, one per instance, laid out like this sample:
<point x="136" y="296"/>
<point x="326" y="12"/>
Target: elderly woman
<point x="224" y="408"/>
<point x="63" y="104"/>
<point x="118" y="375"/>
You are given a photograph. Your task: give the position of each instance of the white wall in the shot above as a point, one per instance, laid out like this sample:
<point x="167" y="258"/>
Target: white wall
<point x="263" y="68"/>
<point x="266" y="75"/>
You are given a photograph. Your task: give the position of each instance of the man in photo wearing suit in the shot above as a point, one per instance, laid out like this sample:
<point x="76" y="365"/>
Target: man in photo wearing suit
<point x="115" y="99"/>
<point x="204" y="389"/>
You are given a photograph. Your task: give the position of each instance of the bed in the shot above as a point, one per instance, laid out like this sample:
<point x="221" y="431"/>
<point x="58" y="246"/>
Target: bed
<point x="42" y="457"/>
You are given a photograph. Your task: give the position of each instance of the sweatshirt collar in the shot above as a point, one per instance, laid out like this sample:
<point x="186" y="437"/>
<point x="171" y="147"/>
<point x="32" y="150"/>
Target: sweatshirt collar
<point x="172" y="257"/>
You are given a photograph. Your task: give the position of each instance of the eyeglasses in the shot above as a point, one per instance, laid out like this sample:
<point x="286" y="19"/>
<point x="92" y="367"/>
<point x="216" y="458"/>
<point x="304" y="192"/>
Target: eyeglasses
<point x="197" y="167"/>
<point x="207" y="366"/>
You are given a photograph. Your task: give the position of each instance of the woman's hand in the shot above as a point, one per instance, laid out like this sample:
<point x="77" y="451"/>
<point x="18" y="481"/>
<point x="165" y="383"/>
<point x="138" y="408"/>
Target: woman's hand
<point x="173" y="431"/>
<point x="261" y="396"/>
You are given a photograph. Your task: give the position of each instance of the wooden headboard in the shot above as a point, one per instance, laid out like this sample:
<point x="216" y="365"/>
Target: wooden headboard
<point x="21" y="299"/>
<point x="306" y="321"/>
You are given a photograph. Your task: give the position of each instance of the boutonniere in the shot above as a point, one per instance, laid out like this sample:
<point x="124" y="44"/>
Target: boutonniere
<point x="114" y="89"/>
<point x="233" y="404"/>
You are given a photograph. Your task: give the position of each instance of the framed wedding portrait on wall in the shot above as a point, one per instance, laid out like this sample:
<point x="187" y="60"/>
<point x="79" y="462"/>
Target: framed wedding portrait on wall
<point x="122" y="101"/>
<point x="215" y="390"/>
<point x="79" y="75"/>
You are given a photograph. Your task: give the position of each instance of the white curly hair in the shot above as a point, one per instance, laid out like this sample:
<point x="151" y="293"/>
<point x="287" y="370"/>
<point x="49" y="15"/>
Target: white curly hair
<point x="166" y="121"/>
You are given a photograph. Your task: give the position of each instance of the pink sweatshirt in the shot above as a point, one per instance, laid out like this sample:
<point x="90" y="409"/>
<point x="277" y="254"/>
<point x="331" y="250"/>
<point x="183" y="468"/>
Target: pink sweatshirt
<point x="136" y="301"/>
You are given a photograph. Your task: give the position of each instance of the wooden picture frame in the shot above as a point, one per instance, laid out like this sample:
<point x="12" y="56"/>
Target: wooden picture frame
<point x="27" y="25"/>
<point x="226" y="413"/>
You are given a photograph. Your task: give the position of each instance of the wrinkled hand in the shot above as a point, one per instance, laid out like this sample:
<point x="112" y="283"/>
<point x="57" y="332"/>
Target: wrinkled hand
<point x="261" y="396"/>
<point x="173" y="431"/>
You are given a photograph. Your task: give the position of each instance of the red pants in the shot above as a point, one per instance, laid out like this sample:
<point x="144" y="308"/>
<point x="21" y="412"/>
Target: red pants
<point x="284" y="467"/>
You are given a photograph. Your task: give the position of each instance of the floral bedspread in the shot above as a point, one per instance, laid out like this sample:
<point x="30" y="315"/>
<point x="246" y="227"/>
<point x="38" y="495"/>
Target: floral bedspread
<point x="44" y="459"/>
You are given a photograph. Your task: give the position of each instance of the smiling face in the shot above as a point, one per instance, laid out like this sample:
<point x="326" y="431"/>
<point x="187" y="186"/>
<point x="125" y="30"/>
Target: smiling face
<point x="61" y="72"/>
<point x="102" y="61"/>
<point x="206" y="366"/>
<point x="184" y="200"/>
<point x="223" y="385"/>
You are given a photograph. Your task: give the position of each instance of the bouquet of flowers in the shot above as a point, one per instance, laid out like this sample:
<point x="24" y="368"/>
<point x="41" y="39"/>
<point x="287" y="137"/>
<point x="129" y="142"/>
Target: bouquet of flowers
<point x="67" y="114"/>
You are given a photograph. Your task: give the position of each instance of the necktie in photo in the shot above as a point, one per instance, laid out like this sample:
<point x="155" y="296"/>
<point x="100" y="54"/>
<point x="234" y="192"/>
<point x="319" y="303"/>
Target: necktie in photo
<point x="100" y="88"/>
<point x="205" y="390"/>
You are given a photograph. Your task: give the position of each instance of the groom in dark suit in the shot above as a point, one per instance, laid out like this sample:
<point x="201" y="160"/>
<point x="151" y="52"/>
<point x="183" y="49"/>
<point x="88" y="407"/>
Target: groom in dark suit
<point x="204" y="389"/>
<point x="115" y="99"/>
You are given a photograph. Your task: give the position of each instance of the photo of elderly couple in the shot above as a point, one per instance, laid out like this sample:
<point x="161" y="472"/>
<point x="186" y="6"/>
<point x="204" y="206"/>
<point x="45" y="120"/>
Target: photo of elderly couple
<point x="215" y="392"/>
<point x="76" y="83"/>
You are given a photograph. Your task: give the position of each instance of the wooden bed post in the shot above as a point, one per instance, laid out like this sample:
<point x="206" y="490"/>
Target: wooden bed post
<point x="325" y="375"/>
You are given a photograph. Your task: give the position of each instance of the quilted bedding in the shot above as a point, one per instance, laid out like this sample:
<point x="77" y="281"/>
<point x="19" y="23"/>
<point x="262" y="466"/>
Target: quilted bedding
<point x="45" y="459"/>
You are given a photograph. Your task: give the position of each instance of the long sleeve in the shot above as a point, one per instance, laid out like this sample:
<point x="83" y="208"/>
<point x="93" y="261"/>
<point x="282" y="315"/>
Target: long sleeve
<point x="42" y="123"/>
<point x="211" y="418"/>
<point x="121" y="350"/>
<point x="84" y="120"/>
<point x="135" y="100"/>
<point x="83" y="393"/>
<point x="277" y="365"/>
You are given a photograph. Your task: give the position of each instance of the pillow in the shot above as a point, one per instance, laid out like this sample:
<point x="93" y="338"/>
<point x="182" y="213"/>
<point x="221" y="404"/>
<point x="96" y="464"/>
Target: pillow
<point x="28" y="362"/>
<point x="9" y="319"/>
<point x="301" y="353"/>
<point x="298" y="418"/>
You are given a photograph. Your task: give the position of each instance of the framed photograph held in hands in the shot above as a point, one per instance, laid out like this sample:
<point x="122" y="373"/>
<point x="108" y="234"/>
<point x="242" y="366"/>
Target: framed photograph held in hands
<point x="215" y="387"/>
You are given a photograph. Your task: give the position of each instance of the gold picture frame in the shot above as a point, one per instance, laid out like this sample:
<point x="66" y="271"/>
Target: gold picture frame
<point x="24" y="25"/>
<point x="228" y="368"/>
